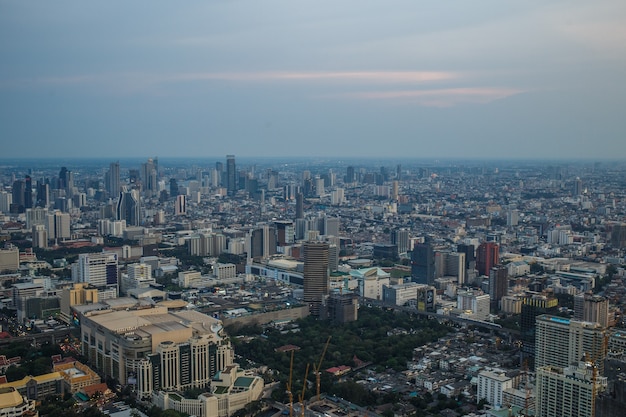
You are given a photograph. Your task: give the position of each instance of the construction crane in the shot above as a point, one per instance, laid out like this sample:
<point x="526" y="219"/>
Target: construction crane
<point x="306" y="374"/>
<point x="317" y="369"/>
<point x="289" y="392"/>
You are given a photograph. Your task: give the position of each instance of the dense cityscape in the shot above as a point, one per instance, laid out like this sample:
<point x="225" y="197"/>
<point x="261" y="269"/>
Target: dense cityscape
<point x="317" y="287"/>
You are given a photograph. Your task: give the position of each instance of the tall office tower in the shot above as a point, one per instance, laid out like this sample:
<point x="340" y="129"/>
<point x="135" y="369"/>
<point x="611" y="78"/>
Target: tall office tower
<point x="399" y="172"/>
<point x="112" y="179"/>
<point x="400" y="238"/>
<point x="285" y="232"/>
<point x="66" y="182"/>
<point x="43" y="194"/>
<point x="331" y="226"/>
<point x="302" y="228"/>
<point x="423" y="264"/>
<point x="231" y="175"/>
<point x="299" y="205"/>
<point x="498" y="285"/>
<point x="618" y="234"/>
<point x="99" y="270"/>
<point x="180" y="206"/>
<point x="129" y="207"/>
<point x="562" y="342"/>
<point x="58" y="225"/>
<point x="568" y="391"/>
<point x="319" y="187"/>
<point x="453" y="264"/>
<point x="28" y="192"/>
<point x="578" y="187"/>
<point x="149" y="177"/>
<point x="593" y="308"/>
<point x="333" y="256"/>
<point x="316" y="275"/>
<point x="40" y="236"/>
<point x="337" y="197"/>
<point x="35" y="216"/>
<point x="533" y="306"/>
<point x="262" y="242"/>
<point x="173" y="187"/>
<point x="350" y="175"/>
<point x="512" y="218"/>
<point x="487" y="256"/>
<point x="6" y="199"/>
<point x="470" y="256"/>
<point x="18" y="191"/>
<point x="219" y="168"/>
<point x="395" y="191"/>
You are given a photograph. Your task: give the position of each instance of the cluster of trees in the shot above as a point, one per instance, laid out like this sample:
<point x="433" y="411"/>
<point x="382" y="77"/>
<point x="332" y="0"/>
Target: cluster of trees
<point x="370" y="339"/>
<point x="35" y="360"/>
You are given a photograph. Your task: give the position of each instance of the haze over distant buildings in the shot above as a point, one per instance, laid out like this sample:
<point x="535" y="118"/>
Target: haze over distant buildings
<point x="480" y="79"/>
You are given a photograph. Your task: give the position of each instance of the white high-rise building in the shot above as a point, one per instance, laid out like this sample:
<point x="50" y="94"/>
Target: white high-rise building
<point x="562" y="342"/>
<point x="98" y="269"/>
<point x="568" y="391"/>
<point x="58" y="225"/>
<point x="491" y="386"/>
<point x="5" y="202"/>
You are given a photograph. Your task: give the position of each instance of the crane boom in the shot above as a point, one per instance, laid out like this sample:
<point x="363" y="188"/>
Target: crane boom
<point x="318" y="367"/>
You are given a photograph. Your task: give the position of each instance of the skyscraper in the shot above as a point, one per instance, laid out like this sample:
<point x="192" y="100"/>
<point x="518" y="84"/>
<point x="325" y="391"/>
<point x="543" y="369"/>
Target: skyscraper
<point x="149" y="177"/>
<point x="299" y="205"/>
<point x="112" y="179"/>
<point x="568" y="391"/>
<point x="98" y="269"/>
<point x="487" y="256"/>
<point x="58" y="225"/>
<point x="400" y="238"/>
<point x="423" y="264"/>
<point x="562" y="342"/>
<point x="129" y="207"/>
<point x="231" y="175"/>
<point x="316" y="275"/>
<point x="180" y="207"/>
<point x="498" y="285"/>
<point x="593" y="308"/>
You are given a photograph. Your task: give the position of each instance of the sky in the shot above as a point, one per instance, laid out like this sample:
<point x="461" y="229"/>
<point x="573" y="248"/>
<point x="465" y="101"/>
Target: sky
<point x="342" y="78"/>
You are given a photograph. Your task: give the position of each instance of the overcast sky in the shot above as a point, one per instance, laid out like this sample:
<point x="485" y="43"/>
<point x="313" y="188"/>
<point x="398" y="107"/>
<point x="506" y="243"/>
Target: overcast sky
<point x="434" y="79"/>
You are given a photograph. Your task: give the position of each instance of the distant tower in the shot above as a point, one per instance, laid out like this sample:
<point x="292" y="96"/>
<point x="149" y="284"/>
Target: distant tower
<point x="350" y="177"/>
<point x="231" y="174"/>
<point x="498" y="285"/>
<point x="561" y="342"/>
<point x="129" y="207"/>
<point x="423" y="264"/>
<point x="400" y="238"/>
<point x="299" y="206"/>
<point x="316" y="275"/>
<point x="112" y="179"/>
<point x="173" y="187"/>
<point x="18" y="191"/>
<point x="149" y="177"/>
<point x="487" y="256"/>
<point x="180" y="207"/>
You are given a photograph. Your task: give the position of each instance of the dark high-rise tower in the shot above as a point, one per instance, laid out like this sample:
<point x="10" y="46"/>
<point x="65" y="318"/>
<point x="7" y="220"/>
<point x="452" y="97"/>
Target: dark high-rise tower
<point x="316" y="275"/>
<point x="299" y="206"/>
<point x="231" y="175"/>
<point x="112" y="179"/>
<point x="423" y="264"/>
<point x="487" y="256"/>
<point x="498" y="285"/>
<point x="350" y="177"/>
<point x="18" y="191"/>
<point x="129" y="207"/>
<point x="28" y="192"/>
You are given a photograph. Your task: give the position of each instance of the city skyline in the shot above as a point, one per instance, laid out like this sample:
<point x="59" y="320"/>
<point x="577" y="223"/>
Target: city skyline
<point x="481" y="80"/>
